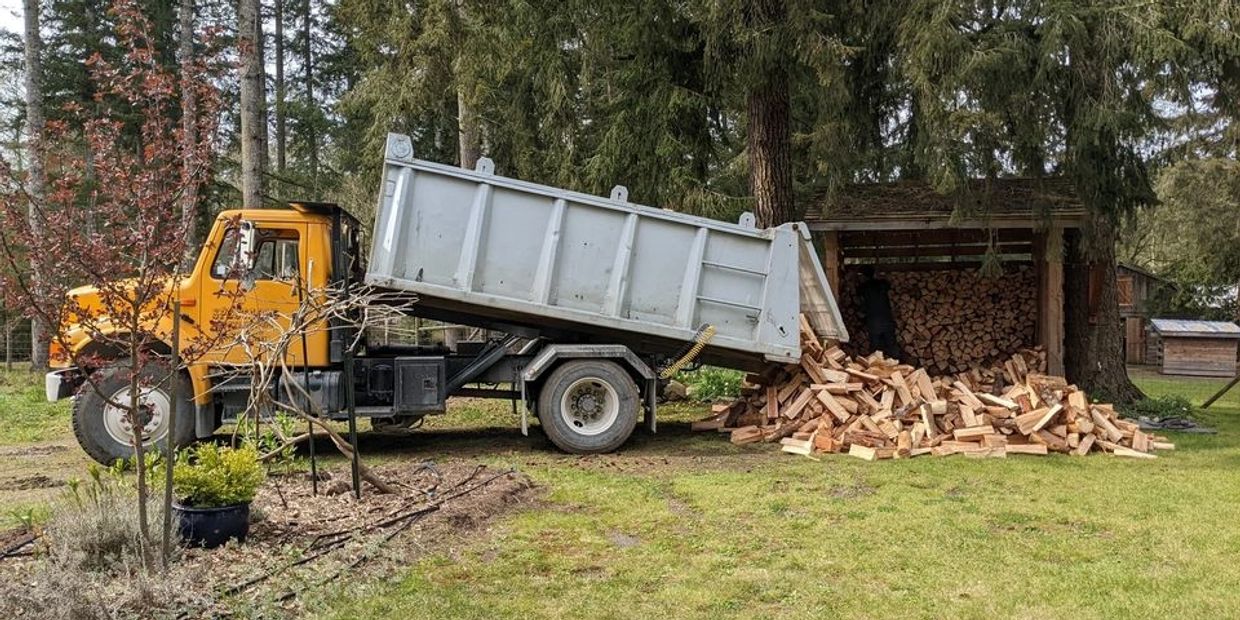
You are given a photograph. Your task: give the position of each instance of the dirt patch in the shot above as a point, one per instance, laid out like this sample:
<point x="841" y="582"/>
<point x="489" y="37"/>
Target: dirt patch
<point x="47" y="450"/>
<point x="303" y="541"/>
<point x="622" y="540"/>
<point x="852" y="491"/>
<point x="37" y="481"/>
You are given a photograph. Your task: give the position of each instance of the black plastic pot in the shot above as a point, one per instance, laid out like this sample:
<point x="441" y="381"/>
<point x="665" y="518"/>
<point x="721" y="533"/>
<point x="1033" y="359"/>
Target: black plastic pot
<point x="212" y="527"/>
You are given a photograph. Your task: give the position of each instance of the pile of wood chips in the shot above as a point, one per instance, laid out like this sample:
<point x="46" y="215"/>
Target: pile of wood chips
<point x="876" y="408"/>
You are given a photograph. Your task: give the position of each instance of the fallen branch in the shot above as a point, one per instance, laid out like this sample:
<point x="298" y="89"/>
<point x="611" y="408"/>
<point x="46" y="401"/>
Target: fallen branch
<point x="13" y="549"/>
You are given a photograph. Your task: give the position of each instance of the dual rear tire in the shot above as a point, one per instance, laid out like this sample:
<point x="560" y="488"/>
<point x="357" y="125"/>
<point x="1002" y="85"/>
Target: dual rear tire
<point x="588" y="406"/>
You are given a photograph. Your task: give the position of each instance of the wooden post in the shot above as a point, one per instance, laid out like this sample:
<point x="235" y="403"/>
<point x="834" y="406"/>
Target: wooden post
<point x="8" y="343"/>
<point x="831" y="259"/>
<point x="1048" y="255"/>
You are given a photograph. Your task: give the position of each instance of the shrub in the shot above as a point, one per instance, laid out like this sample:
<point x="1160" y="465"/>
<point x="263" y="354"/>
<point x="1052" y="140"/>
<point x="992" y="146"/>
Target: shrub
<point x="1171" y="406"/>
<point x="710" y="383"/>
<point x="97" y="528"/>
<point x="210" y="476"/>
<point x="89" y="562"/>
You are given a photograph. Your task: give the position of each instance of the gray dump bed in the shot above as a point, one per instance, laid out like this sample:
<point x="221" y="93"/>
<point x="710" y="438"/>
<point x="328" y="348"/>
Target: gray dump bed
<point x="484" y="249"/>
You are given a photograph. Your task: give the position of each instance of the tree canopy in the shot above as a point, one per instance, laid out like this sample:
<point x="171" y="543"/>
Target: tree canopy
<point x="720" y="106"/>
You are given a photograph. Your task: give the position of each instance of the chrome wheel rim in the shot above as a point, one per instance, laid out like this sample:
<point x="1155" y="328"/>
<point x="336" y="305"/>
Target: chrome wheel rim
<point x="589" y="406"/>
<point x="154" y="407"/>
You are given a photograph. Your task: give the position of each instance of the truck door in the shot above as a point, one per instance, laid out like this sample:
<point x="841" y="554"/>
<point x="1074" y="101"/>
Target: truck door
<point x="265" y="278"/>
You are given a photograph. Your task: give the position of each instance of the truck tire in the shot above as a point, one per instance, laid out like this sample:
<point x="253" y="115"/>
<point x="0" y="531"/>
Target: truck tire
<point x="104" y="431"/>
<point x="588" y="406"/>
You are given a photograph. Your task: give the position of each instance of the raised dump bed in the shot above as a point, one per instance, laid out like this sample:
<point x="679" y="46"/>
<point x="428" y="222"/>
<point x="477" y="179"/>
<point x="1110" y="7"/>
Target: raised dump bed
<point x="482" y="249"/>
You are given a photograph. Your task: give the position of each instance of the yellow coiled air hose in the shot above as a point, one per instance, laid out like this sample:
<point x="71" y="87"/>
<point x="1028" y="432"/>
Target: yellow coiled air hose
<point x="700" y="340"/>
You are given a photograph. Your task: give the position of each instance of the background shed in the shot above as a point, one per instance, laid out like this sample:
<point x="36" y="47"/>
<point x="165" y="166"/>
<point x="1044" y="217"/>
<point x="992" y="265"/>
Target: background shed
<point x="1135" y="287"/>
<point x="975" y="276"/>
<point x="1187" y="347"/>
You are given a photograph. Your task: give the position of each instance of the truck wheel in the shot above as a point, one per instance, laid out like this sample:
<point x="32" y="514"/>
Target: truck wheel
<point x="105" y="432"/>
<point x="588" y="406"/>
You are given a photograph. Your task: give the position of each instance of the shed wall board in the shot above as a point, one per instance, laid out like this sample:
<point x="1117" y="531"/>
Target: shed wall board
<point x="1215" y="357"/>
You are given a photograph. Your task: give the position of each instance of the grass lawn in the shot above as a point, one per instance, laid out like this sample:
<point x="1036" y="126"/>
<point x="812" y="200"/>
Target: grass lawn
<point x="689" y="526"/>
<point x="686" y="525"/>
<point x="25" y="414"/>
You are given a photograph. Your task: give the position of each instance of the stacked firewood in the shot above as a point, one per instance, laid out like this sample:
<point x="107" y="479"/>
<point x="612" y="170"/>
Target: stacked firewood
<point x="876" y="408"/>
<point x="950" y="320"/>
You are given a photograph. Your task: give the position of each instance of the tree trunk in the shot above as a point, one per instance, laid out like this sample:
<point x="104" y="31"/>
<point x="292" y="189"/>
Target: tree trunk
<point x="769" y="135"/>
<point x="468" y="134"/>
<point x="281" y="133"/>
<point x="189" y="130"/>
<point x="769" y="142"/>
<point x="36" y="185"/>
<point x="469" y="138"/>
<point x="307" y="68"/>
<point x="1095" y="351"/>
<point x="253" y="149"/>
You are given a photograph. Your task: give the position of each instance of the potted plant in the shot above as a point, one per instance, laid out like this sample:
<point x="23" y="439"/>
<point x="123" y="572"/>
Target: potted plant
<point x="214" y="486"/>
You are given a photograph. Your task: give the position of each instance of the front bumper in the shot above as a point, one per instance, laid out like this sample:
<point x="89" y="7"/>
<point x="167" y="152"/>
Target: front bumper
<point x="61" y="384"/>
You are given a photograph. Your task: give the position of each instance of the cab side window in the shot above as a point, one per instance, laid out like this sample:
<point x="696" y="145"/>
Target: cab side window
<point x="277" y="256"/>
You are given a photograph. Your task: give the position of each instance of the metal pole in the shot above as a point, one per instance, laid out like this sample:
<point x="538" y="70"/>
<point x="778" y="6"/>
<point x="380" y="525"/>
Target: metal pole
<point x="170" y="455"/>
<point x="305" y="384"/>
<point x="350" y="399"/>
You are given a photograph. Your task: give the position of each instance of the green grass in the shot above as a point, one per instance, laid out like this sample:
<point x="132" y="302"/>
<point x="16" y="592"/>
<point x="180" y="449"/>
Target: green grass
<point x="1196" y="389"/>
<point x="688" y="526"/>
<point x="25" y="414"/>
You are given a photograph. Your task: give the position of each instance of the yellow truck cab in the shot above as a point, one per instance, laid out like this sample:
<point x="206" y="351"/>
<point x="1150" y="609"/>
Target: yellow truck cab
<point x="292" y="251"/>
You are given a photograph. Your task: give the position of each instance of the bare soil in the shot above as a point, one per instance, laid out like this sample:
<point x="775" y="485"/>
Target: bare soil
<point x="303" y="546"/>
<point x="301" y="543"/>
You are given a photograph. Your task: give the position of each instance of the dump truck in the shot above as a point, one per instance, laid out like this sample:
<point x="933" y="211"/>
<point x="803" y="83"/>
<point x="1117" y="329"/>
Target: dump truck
<point x="586" y="301"/>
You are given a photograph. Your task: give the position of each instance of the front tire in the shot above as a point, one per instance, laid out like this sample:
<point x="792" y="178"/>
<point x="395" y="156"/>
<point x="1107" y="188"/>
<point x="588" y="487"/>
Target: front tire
<point x="104" y="431"/>
<point x="588" y="406"/>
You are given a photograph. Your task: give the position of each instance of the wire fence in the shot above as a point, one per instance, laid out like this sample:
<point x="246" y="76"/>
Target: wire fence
<point x="14" y="340"/>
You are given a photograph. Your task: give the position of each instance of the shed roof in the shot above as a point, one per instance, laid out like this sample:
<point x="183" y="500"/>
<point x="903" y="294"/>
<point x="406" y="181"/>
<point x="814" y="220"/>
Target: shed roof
<point x="982" y="201"/>
<point x="1196" y="329"/>
<point x="1139" y="270"/>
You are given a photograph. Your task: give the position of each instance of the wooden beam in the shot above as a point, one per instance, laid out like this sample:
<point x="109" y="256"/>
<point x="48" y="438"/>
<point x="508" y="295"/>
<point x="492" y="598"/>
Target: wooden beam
<point x="948" y="236"/>
<point x="1048" y="257"/>
<point x="1062" y="220"/>
<point x="832" y="260"/>
<point x="970" y="249"/>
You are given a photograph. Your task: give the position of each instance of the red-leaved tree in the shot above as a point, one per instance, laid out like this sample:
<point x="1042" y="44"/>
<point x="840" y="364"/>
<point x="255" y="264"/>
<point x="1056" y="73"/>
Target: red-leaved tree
<point x="118" y="228"/>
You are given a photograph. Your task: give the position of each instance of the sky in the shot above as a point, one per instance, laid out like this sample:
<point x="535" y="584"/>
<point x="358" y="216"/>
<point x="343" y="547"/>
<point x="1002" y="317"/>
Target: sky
<point x="11" y="16"/>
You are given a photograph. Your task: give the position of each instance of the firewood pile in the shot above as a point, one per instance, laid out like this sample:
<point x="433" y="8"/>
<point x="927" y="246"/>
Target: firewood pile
<point x="877" y="408"/>
<point x="949" y="320"/>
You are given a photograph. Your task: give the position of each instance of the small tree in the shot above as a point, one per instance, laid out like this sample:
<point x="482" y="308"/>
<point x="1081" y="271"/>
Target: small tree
<point x="121" y="232"/>
<point x="268" y="337"/>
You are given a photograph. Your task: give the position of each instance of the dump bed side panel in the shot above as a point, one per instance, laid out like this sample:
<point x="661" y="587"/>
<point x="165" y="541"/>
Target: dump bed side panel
<point x="543" y="253"/>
